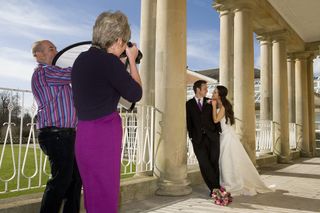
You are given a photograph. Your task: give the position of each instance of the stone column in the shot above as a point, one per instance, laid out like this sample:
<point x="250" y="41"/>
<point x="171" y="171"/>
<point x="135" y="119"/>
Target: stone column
<point x="147" y="73"/>
<point x="170" y="87"/>
<point x="311" y="106"/>
<point x="302" y="115"/>
<point x="291" y="89"/>
<point x="265" y="78"/>
<point x="147" y="46"/>
<point x="244" y="106"/>
<point x="226" y="51"/>
<point x="281" y="146"/>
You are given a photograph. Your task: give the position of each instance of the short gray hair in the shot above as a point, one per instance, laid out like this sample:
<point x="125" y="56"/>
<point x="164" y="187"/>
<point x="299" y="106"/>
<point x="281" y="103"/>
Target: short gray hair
<point x="37" y="47"/>
<point x="110" y="26"/>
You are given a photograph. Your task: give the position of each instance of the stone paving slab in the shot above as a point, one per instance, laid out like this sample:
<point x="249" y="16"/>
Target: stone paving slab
<point x="297" y="190"/>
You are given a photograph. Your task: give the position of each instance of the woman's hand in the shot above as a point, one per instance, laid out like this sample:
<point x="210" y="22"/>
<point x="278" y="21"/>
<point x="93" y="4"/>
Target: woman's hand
<point x="132" y="53"/>
<point x="214" y="103"/>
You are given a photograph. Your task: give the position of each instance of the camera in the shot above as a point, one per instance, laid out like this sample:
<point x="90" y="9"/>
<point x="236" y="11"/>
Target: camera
<point x="139" y="56"/>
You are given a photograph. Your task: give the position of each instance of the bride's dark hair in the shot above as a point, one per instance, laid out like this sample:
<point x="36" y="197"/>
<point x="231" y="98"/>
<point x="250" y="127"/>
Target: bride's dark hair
<point x="223" y="92"/>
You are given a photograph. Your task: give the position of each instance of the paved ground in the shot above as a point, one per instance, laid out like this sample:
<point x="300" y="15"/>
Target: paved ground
<point x="297" y="190"/>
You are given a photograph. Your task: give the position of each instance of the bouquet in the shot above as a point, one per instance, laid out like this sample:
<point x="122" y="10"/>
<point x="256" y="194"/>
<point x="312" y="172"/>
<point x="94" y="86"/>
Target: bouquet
<point x="221" y="196"/>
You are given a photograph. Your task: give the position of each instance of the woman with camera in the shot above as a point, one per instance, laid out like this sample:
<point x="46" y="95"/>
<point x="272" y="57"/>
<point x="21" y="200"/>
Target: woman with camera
<point x="99" y="79"/>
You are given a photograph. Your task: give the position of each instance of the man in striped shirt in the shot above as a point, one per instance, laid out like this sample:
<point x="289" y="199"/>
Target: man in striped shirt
<point x="56" y="123"/>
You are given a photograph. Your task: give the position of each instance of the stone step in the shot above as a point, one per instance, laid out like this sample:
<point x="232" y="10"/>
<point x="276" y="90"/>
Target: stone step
<point x="266" y="159"/>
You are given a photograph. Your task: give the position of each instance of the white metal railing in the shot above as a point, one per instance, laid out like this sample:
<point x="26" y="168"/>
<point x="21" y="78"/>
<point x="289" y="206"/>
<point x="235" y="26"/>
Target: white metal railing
<point x="265" y="132"/>
<point x="316" y="84"/>
<point x="23" y="165"/>
<point x="137" y="139"/>
<point x="264" y="136"/>
<point x="192" y="159"/>
<point x="293" y="135"/>
<point x="317" y="130"/>
<point x="257" y="96"/>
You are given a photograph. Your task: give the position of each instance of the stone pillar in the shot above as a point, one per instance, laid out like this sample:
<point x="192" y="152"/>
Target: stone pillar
<point x="170" y="90"/>
<point x="148" y="46"/>
<point x="302" y="115"/>
<point x="291" y="89"/>
<point x="311" y="106"/>
<point x="244" y="105"/>
<point x="147" y="73"/>
<point x="265" y="78"/>
<point x="281" y="146"/>
<point x="226" y="51"/>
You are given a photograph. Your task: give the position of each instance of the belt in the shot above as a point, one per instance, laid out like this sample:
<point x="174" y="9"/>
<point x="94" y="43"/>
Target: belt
<point x="56" y="129"/>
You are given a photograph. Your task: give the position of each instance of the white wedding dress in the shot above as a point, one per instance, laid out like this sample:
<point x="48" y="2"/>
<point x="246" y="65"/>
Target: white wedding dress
<point x="237" y="173"/>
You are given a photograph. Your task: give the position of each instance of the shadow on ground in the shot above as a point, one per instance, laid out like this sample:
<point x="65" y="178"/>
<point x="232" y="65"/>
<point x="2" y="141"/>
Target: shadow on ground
<point x="297" y="190"/>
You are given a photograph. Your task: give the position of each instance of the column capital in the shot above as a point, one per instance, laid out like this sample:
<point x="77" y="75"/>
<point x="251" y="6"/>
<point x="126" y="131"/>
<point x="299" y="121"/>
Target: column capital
<point x="313" y="47"/>
<point x="273" y="35"/>
<point x="280" y="35"/>
<point x="264" y="39"/>
<point x="290" y="57"/>
<point x="234" y="5"/>
<point x="312" y="56"/>
<point x="225" y="12"/>
<point x="301" y="55"/>
<point x="221" y="8"/>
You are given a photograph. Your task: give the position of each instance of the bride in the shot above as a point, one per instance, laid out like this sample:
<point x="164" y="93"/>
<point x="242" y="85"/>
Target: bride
<point x="237" y="173"/>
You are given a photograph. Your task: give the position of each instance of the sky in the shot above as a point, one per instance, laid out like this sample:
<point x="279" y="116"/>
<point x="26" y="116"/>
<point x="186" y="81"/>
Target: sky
<point x="65" y="22"/>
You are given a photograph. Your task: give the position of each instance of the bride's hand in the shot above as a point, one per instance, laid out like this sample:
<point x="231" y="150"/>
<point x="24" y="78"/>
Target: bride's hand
<point x="214" y="103"/>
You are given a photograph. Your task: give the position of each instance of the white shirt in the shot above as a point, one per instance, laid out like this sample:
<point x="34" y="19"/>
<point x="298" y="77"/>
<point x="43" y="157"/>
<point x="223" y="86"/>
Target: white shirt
<point x="201" y="100"/>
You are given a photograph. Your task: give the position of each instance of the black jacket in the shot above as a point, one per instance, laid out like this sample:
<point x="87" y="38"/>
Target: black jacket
<point x="201" y="122"/>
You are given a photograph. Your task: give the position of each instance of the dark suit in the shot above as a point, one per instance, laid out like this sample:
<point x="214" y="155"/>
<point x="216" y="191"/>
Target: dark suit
<point x="204" y="134"/>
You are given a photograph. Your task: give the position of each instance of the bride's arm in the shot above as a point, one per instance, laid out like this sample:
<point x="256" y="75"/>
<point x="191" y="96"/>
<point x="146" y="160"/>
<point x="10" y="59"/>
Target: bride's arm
<point x="217" y="116"/>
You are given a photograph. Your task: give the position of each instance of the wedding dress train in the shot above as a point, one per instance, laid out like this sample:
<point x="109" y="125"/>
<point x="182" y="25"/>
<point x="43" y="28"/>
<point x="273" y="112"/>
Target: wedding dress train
<point x="237" y="173"/>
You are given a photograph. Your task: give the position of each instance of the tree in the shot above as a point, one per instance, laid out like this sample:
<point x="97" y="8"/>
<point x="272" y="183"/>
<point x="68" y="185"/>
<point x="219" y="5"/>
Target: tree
<point x="4" y="104"/>
<point x="7" y="99"/>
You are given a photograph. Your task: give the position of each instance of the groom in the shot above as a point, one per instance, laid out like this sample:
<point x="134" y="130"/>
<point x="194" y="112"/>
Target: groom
<point x="204" y="134"/>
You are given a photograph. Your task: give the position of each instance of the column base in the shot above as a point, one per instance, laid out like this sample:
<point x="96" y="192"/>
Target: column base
<point x="143" y="174"/>
<point x="306" y="154"/>
<point x="284" y="159"/>
<point x="171" y="188"/>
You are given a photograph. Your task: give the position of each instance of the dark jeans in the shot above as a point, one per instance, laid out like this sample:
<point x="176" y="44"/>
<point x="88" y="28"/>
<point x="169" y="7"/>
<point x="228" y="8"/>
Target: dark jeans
<point x="208" y="152"/>
<point x="65" y="184"/>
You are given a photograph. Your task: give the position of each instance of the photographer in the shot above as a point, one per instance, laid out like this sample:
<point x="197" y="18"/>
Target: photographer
<point x="56" y="124"/>
<point x="99" y="78"/>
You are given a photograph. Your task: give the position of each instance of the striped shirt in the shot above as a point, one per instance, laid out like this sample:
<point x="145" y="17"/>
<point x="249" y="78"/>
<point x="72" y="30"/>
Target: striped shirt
<point x="52" y="91"/>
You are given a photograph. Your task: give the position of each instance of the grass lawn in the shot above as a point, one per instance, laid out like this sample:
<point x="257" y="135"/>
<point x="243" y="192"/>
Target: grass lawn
<point x="7" y="171"/>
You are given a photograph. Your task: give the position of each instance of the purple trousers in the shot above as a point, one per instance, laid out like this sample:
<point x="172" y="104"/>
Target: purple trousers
<point x="98" y="153"/>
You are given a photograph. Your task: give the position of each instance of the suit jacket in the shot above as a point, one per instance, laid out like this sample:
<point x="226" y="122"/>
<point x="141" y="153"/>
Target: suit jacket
<point x="201" y="122"/>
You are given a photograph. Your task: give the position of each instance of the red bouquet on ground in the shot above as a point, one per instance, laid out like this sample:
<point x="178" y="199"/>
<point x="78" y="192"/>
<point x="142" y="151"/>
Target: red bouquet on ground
<point x="221" y="196"/>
